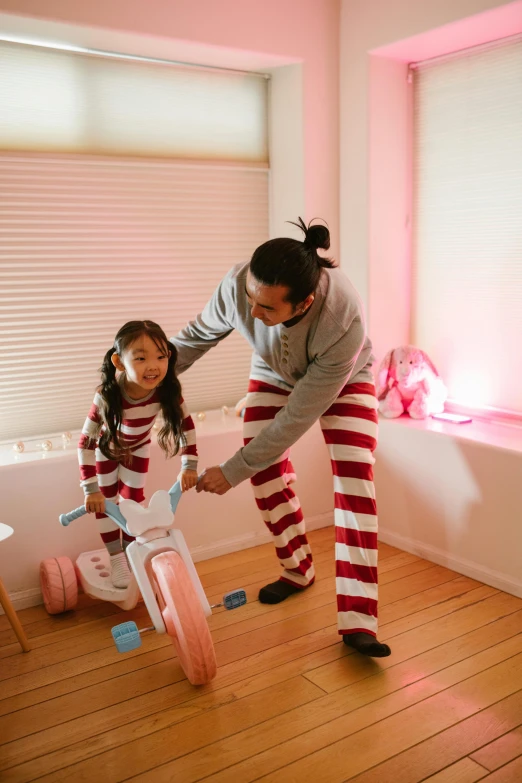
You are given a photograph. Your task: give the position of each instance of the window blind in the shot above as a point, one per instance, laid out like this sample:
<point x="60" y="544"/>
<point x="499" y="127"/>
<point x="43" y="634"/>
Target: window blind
<point x="127" y="190"/>
<point x="61" y="101"/>
<point x="467" y="280"/>
<point x="89" y="242"/>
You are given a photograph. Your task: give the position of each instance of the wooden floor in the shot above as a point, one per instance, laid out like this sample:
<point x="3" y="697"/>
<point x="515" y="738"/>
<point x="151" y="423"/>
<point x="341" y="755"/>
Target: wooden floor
<point x="289" y="703"/>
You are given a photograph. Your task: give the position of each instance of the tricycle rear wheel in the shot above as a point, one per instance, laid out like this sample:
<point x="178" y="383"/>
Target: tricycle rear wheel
<point x="59" y="584"/>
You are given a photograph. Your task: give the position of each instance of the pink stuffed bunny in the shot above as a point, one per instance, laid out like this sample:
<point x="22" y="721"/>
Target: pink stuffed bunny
<point x="408" y="381"/>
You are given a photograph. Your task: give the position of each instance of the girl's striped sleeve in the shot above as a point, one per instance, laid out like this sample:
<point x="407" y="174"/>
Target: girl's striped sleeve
<point x="189" y="452"/>
<point x="86" y="449"/>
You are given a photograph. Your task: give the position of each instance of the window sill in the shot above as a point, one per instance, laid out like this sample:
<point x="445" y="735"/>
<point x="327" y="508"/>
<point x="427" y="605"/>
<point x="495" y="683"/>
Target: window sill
<point x="215" y="423"/>
<point x="506" y="437"/>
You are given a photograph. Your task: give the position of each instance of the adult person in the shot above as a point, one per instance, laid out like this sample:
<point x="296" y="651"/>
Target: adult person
<point x="312" y="361"/>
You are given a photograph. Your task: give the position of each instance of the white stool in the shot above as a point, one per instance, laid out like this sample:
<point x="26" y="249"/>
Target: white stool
<point x="5" y="532"/>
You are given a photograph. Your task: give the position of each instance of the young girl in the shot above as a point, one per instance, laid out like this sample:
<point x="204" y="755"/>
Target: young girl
<point x="114" y="446"/>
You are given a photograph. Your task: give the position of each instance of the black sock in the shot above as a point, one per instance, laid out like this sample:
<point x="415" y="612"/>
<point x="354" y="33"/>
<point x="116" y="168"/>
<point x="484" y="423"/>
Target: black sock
<point x="366" y="644"/>
<point x="276" y="592"/>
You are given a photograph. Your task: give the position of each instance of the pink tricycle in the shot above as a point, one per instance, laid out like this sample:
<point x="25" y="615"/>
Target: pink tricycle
<point x="163" y="573"/>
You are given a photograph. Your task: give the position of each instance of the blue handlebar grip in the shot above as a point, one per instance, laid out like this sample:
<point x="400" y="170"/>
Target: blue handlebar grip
<point x="66" y="519"/>
<point x="111" y="509"/>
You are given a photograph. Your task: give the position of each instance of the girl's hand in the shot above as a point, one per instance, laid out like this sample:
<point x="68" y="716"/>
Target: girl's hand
<point x="95" y="502"/>
<point x="188" y="479"/>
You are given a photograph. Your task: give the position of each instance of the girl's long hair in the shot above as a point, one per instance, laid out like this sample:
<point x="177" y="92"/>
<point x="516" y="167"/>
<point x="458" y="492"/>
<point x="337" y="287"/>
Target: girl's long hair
<point x="171" y="436"/>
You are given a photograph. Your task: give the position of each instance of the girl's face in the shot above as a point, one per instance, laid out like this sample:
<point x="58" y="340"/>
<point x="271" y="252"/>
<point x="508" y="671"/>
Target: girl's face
<point x="144" y="364"/>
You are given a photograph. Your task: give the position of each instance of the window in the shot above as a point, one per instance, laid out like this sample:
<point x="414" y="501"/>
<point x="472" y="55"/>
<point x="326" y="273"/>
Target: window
<point x="127" y="190"/>
<point x="468" y="222"/>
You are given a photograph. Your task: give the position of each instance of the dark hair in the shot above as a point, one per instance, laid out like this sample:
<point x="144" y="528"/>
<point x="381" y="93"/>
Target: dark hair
<point x="294" y="264"/>
<point x="171" y="435"/>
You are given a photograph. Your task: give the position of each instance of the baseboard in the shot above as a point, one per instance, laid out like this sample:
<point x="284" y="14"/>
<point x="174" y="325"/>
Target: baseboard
<point x="459" y="564"/>
<point x="249" y="540"/>
<point x="22" y="599"/>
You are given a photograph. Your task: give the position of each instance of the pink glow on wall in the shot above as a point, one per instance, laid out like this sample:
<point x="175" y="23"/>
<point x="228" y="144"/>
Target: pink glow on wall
<point x="473" y="31"/>
<point x="390" y="186"/>
<point x="470" y="388"/>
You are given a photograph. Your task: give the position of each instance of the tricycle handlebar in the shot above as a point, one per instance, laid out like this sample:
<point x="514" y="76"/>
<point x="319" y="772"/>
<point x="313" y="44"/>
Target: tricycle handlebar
<point x="114" y="513"/>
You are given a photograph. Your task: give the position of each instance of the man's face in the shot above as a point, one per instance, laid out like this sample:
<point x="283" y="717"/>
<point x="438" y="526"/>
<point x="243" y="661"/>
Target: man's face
<point x="268" y="302"/>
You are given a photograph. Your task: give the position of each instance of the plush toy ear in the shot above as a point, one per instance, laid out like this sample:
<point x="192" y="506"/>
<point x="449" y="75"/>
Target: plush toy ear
<point x="430" y="364"/>
<point x="383" y="375"/>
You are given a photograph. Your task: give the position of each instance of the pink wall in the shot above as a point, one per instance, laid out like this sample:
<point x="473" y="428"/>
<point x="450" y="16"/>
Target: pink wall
<point x="239" y="33"/>
<point x="437" y="492"/>
<point x="474" y="30"/>
<point x="389" y="198"/>
<point x="390" y="162"/>
<point x="299" y="30"/>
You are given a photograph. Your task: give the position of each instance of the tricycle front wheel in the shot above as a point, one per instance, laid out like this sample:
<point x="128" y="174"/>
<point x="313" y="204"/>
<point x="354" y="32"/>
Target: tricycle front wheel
<point x="184" y="618"/>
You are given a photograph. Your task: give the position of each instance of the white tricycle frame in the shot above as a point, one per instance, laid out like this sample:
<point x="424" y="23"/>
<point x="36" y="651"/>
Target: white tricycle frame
<point x="164" y="574"/>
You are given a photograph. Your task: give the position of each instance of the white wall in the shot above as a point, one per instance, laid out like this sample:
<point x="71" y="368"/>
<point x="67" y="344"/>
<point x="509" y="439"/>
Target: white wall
<point x="286" y="143"/>
<point x="453" y="501"/>
<point x="297" y="41"/>
<point x="35" y="493"/>
<point x="249" y="34"/>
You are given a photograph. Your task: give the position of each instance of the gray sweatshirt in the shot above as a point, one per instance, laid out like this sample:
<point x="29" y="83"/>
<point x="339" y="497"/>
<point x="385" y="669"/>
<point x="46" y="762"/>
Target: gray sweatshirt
<point x="312" y="359"/>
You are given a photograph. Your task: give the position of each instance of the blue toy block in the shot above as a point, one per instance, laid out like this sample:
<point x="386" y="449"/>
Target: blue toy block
<point x="126" y="636"/>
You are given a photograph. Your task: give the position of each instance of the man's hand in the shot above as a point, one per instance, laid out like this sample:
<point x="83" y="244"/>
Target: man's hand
<point x="213" y="480"/>
<point x="95" y="503"/>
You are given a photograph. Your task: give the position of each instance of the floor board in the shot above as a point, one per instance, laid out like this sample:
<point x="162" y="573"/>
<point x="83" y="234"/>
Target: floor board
<point x="289" y="703"/>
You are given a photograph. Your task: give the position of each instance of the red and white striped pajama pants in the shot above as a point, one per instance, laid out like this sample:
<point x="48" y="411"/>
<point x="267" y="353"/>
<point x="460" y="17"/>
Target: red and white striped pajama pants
<point x="350" y="431"/>
<point x="117" y="480"/>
